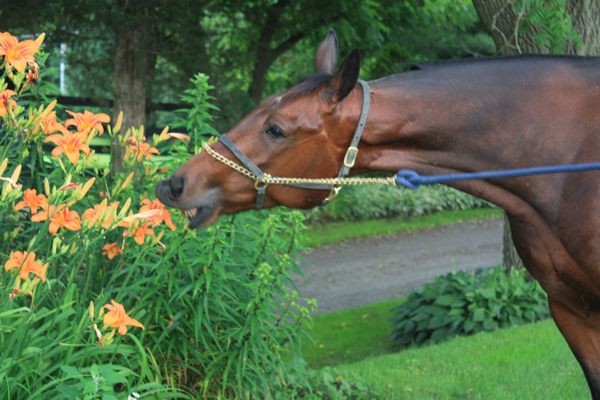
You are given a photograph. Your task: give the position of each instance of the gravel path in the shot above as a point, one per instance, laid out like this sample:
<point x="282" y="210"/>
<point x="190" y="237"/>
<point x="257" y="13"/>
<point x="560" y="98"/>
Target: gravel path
<point x="360" y="271"/>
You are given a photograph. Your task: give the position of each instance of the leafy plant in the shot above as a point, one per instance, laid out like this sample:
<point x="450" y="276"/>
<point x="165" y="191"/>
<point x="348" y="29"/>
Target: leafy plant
<point x="460" y="303"/>
<point x="370" y="202"/>
<point x="104" y="292"/>
<point x="323" y="384"/>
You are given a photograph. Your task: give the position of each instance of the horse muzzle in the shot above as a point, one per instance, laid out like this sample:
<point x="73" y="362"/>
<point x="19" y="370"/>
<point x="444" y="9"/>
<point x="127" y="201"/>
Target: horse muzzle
<point x="170" y="191"/>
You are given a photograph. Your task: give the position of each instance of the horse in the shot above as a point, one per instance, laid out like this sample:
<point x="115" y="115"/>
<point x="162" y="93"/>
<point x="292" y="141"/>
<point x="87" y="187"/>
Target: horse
<point x="437" y="118"/>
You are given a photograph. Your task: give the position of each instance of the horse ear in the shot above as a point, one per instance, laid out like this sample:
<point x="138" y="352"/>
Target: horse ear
<point x="327" y="53"/>
<point x="344" y="80"/>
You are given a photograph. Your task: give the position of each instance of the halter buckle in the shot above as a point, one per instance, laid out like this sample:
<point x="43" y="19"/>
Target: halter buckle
<point x="256" y="182"/>
<point x="350" y="157"/>
<point x="332" y="194"/>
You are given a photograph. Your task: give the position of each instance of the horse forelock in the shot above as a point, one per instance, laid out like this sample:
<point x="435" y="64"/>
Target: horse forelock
<point x="310" y="83"/>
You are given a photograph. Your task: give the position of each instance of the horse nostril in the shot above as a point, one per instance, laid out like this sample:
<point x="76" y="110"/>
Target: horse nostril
<point x="176" y="186"/>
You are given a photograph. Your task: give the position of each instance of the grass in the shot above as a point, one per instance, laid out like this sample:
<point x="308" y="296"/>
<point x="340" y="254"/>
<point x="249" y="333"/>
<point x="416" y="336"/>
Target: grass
<point x="350" y="335"/>
<point x="527" y="362"/>
<point x="319" y="234"/>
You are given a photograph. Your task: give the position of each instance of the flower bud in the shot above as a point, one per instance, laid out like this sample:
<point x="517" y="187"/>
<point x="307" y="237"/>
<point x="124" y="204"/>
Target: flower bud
<point x="119" y="122"/>
<point x="47" y="187"/>
<point x="3" y="166"/>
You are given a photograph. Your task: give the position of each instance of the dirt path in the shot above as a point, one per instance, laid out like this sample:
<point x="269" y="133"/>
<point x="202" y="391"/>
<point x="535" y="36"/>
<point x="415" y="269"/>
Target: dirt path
<point x="361" y="271"/>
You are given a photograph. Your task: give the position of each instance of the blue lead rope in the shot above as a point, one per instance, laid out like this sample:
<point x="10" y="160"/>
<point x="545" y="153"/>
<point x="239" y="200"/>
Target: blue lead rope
<point x="412" y="180"/>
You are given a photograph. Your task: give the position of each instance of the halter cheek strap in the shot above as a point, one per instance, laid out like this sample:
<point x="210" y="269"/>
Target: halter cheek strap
<point x="262" y="180"/>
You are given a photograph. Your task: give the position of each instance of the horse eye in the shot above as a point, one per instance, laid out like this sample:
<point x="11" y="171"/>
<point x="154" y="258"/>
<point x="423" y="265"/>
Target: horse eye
<point x="275" y="132"/>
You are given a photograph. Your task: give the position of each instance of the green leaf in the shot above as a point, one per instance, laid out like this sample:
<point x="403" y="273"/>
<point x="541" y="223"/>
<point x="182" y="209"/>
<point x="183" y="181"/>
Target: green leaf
<point x="479" y="315"/>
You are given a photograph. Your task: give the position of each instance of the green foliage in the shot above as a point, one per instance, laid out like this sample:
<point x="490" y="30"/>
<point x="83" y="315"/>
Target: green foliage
<point x="215" y="305"/>
<point x="550" y="22"/>
<point x="197" y="120"/>
<point x="368" y="202"/>
<point x="324" y="384"/>
<point x="460" y="303"/>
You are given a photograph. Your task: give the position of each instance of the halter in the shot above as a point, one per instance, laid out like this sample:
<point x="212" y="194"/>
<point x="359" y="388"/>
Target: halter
<point x="262" y="180"/>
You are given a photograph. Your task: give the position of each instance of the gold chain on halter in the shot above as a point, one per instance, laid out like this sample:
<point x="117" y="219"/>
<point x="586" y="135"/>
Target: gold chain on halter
<point x="268" y="179"/>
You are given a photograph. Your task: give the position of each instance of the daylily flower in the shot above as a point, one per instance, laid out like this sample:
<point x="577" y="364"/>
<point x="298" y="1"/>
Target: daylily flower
<point x="18" y="54"/>
<point x="28" y="265"/>
<point x="12" y="183"/>
<point x="14" y="293"/>
<point x="5" y="101"/>
<point x="118" y="318"/>
<point x="69" y="186"/>
<point x="32" y="75"/>
<point x="165" y="215"/>
<point x="50" y="125"/>
<point x="90" y="213"/>
<point x="33" y="201"/>
<point x="99" y="335"/>
<point x="142" y="149"/>
<point x="60" y="217"/>
<point x="70" y="144"/>
<point x="86" y="121"/>
<point x="147" y="215"/>
<point x="140" y="233"/>
<point x="179" y="136"/>
<point x="111" y="250"/>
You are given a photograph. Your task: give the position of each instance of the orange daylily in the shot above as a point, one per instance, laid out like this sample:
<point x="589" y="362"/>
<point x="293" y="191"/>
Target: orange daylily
<point x="33" y="201"/>
<point x="32" y="75"/>
<point x="165" y="215"/>
<point x="179" y="136"/>
<point x="86" y="121"/>
<point x="18" y="54"/>
<point x="69" y="186"/>
<point x="118" y="318"/>
<point x="70" y="144"/>
<point x="142" y="149"/>
<point x="140" y="233"/>
<point x="60" y="217"/>
<point x="5" y="101"/>
<point x="147" y="215"/>
<point x="27" y="263"/>
<point x="90" y="213"/>
<point x="50" y="125"/>
<point x="111" y="250"/>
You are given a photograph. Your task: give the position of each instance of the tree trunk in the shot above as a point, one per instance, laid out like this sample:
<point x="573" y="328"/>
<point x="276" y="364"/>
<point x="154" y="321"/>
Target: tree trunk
<point x="503" y="21"/>
<point x="134" y="66"/>
<point x="585" y="15"/>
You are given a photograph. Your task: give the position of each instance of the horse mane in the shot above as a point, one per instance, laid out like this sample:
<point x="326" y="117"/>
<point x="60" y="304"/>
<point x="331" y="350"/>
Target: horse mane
<point x="430" y="65"/>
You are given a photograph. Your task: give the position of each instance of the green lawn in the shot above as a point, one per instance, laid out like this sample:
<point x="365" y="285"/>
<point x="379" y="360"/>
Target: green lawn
<point x="349" y="335"/>
<point x="527" y="362"/>
<point x="318" y="234"/>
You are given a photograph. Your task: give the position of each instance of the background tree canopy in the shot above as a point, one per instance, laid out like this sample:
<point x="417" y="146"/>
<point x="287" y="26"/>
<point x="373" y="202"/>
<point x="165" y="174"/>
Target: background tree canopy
<point x="141" y="52"/>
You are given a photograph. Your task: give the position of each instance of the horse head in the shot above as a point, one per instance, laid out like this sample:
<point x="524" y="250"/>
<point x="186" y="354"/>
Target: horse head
<point x="303" y="132"/>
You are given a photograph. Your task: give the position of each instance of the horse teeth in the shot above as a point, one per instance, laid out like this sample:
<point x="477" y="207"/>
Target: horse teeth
<point x="190" y="213"/>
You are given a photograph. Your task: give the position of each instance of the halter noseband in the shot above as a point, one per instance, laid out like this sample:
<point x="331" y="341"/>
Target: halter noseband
<point x="262" y="180"/>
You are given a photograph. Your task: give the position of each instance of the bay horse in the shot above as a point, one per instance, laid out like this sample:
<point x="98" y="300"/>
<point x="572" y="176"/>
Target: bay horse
<point x="448" y="117"/>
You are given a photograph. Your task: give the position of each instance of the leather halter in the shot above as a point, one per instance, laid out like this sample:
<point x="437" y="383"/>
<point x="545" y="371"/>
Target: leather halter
<point x="348" y="163"/>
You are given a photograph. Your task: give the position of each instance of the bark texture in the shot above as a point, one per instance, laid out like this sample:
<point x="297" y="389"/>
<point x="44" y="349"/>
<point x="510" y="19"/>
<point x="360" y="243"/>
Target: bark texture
<point x="503" y="20"/>
<point x="134" y="66"/>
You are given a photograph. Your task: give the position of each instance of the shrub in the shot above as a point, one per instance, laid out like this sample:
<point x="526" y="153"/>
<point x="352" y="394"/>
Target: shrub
<point x="323" y="384"/>
<point x="369" y="202"/>
<point x="460" y="303"/>
<point x="97" y="301"/>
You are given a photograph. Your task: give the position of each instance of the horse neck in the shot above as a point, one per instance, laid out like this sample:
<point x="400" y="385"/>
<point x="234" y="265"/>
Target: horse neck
<point x="439" y="126"/>
<point x="411" y="125"/>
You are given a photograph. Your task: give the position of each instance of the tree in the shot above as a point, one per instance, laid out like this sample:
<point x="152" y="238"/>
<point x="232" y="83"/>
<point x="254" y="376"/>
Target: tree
<point x="540" y="26"/>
